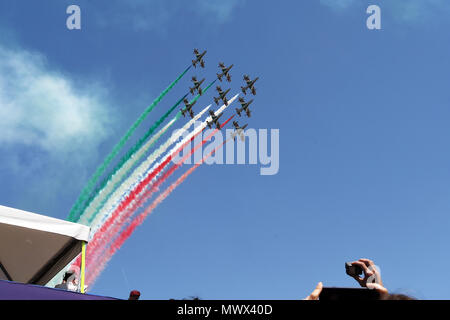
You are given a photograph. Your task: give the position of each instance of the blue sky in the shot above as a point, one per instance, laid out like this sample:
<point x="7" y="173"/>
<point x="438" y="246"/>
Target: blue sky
<point x="364" y="157"/>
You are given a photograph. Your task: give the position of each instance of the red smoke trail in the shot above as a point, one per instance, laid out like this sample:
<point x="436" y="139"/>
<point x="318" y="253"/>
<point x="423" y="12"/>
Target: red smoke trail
<point x="129" y="204"/>
<point x="110" y="228"/>
<point x="142" y="198"/>
<point x="125" y="234"/>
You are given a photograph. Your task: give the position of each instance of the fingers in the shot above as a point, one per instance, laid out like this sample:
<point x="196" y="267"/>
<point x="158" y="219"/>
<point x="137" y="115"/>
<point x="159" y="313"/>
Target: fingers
<point x="368" y="273"/>
<point x="371" y="265"/>
<point x="366" y="270"/>
<point x="359" y="280"/>
<point x="316" y="293"/>
<point x="376" y="286"/>
<point x="367" y="262"/>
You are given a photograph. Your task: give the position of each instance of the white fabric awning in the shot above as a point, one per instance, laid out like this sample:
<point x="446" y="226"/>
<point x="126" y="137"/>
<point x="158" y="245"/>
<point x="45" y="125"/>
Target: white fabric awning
<point x="34" y="248"/>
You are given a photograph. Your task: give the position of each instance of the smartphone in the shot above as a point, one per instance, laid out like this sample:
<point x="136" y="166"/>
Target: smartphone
<point x="349" y="294"/>
<point x="353" y="270"/>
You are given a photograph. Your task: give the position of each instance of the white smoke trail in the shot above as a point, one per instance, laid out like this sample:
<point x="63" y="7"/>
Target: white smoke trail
<point x="118" y="176"/>
<point x="143" y="170"/>
<point x="101" y="263"/>
<point x="112" y="202"/>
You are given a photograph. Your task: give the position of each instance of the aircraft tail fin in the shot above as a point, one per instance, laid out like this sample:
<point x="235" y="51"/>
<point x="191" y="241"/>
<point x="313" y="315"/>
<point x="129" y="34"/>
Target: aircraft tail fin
<point x="238" y="111"/>
<point x="219" y="76"/>
<point x="243" y="90"/>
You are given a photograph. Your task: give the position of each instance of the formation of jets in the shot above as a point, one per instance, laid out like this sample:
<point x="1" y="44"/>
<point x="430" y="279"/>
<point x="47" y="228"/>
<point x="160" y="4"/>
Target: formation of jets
<point x="196" y="86"/>
<point x="198" y="58"/>
<point x="238" y="131"/>
<point x="214" y="119"/>
<point x="245" y="107"/>
<point x="225" y="73"/>
<point x="250" y="85"/>
<point x="188" y="108"/>
<point x="222" y="96"/>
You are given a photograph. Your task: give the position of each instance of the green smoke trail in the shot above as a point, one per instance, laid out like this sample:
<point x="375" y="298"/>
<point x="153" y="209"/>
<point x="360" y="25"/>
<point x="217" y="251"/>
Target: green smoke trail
<point x="95" y="207"/>
<point x="75" y="211"/>
<point x="130" y="153"/>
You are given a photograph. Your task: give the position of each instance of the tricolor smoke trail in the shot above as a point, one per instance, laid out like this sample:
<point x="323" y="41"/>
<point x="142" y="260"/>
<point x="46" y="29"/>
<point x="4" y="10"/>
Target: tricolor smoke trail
<point x="132" y="157"/>
<point x="75" y="211"/>
<point x="105" y="236"/>
<point x="125" y="164"/>
<point x="142" y="175"/>
<point x="95" y="234"/>
<point x="113" y="218"/>
<point x="125" y="234"/>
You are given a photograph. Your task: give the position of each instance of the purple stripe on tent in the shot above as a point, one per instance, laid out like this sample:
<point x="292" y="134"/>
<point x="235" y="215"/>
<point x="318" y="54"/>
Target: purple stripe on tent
<point x="10" y="290"/>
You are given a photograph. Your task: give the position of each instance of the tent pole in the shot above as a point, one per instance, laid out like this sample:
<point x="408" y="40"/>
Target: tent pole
<point x="83" y="264"/>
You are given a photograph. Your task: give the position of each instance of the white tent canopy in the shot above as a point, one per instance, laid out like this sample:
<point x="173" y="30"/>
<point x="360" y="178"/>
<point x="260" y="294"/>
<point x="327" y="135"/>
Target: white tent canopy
<point x="34" y="248"/>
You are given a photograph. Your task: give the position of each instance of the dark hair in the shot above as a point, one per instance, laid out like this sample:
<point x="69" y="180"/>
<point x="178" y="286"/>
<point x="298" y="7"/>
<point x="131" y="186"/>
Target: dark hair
<point x="67" y="275"/>
<point x="398" y="297"/>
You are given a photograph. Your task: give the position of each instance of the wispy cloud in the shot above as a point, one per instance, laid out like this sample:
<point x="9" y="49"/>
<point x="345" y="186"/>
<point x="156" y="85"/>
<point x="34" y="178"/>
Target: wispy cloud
<point x="401" y="10"/>
<point x="156" y="14"/>
<point x="43" y="108"/>
<point x="220" y="10"/>
<point x="46" y="119"/>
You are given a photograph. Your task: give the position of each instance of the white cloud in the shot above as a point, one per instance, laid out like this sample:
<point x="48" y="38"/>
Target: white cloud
<point x="219" y="9"/>
<point x="43" y="108"/>
<point x="50" y="126"/>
